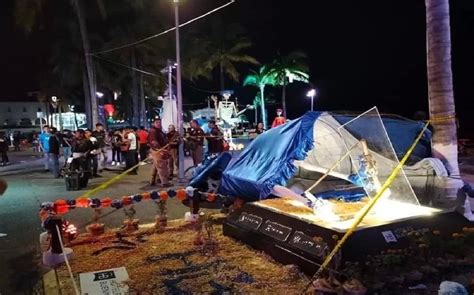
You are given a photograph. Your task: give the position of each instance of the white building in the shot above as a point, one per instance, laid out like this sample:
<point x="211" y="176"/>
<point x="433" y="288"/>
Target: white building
<point x="17" y="113"/>
<point x="28" y="113"/>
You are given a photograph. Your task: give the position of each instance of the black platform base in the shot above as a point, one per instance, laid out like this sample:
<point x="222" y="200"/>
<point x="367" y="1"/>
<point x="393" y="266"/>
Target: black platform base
<point x="291" y="241"/>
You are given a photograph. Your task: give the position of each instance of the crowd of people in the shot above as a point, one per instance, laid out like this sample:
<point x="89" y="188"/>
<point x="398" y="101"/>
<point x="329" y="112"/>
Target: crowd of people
<point x="128" y="147"/>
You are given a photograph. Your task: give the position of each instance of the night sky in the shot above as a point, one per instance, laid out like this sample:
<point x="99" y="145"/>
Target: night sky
<point x="362" y="53"/>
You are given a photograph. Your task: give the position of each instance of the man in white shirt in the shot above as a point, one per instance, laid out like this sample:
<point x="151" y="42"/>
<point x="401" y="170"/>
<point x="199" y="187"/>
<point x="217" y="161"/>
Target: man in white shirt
<point x="131" y="153"/>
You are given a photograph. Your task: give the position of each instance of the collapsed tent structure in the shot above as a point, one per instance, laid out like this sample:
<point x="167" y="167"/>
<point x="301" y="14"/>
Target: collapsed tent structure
<point x="299" y="152"/>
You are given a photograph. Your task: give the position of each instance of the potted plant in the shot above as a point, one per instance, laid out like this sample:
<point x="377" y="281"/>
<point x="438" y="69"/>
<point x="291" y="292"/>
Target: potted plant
<point x="96" y="228"/>
<point x="161" y="219"/>
<point x="130" y="223"/>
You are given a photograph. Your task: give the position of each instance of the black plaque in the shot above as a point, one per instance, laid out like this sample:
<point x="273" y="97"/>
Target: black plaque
<point x="104" y="275"/>
<point x="306" y="243"/>
<point x="276" y="230"/>
<point x="249" y="221"/>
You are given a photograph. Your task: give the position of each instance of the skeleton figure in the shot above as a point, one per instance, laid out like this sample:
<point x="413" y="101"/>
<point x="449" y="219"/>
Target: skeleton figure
<point x="226" y="113"/>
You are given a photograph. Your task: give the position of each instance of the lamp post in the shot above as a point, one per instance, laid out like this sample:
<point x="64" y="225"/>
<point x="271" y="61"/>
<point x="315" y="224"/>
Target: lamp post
<point x="179" y="94"/>
<point x="312" y="94"/>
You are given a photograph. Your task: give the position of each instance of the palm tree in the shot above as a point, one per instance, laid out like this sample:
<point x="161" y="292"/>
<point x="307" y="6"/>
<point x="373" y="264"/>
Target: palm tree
<point x="261" y="79"/>
<point x="287" y="69"/>
<point x="223" y="48"/>
<point x="28" y="14"/>
<point x="440" y="84"/>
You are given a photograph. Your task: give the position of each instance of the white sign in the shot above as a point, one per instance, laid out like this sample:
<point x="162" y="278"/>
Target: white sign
<point x="39" y="115"/>
<point x="104" y="282"/>
<point x="389" y="236"/>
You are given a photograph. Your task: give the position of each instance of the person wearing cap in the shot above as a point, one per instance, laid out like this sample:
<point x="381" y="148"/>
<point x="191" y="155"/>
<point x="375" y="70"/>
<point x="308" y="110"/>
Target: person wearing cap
<point x="279" y="119"/>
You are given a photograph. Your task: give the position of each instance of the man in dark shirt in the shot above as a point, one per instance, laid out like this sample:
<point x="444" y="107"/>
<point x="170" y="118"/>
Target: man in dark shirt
<point x="158" y="143"/>
<point x="99" y="135"/>
<point x="215" y="144"/>
<point x="196" y="141"/>
<point x="81" y="147"/>
<point x="173" y="140"/>
<point x="54" y="146"/>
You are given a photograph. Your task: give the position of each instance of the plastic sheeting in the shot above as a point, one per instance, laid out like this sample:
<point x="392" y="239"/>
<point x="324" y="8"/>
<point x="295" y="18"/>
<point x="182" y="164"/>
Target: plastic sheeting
<point x="268" y="160"/>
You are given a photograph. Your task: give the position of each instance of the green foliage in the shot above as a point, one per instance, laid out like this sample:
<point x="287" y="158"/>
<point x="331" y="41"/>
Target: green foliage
<point x="289" y="68"/>
<point x="261" y="78"/>
<point x="220" y="47"/>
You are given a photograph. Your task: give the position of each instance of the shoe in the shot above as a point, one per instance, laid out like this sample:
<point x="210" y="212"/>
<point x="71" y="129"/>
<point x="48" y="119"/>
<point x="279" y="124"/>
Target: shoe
<point x="113" y="163"/>
<point x="123" y="163"/>
<point x="152" y="183"/>
<point x="97" y="175"/>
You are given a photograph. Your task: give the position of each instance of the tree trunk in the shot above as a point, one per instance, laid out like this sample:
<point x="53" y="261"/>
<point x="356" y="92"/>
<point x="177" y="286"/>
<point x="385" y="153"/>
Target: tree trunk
<point x="262" y="105"/>
<point x="143" y="119"/>
<point x="75" y="120"/>
<point x="256" y="114"/>
<point x="87" y="99"/>
<point x="89" y="64"/>
<point x="135" y="95"/>
<point x="221" y="72"/>
<point x="440" y="89"/>
<point x="440" y="83"/>
<point x="283" y="98"/>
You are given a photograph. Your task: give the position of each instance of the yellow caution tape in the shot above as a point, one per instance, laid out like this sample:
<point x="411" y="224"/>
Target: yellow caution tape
<point x="114" y="179"/>
<point x="442" y="119"/>
<point x="371" y="204"/>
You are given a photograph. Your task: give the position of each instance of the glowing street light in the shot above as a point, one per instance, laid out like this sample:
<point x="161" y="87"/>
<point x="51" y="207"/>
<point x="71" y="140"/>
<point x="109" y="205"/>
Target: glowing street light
<point x="312" y="94"/>
<point x="99" y="94"/>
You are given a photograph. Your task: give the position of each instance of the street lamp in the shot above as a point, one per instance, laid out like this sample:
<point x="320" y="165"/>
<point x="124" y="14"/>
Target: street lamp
<point x="179" y="94"/>
<point x="312" y="94"/>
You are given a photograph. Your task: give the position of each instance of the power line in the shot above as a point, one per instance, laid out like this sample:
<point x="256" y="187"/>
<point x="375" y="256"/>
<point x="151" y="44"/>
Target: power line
<point x="128" y="67"/>
<point x="164" y="32"/>
<point x="153" y="74"/>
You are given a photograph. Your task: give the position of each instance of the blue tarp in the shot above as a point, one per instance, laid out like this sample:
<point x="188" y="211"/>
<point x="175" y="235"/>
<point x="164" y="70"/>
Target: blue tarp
<point x="268" y="160"/>
<point x="401" y="132"/>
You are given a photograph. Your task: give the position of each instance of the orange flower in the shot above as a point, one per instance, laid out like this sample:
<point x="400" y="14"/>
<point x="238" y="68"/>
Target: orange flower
<point x="181" y="194"/>
<point x="82" y="202"/>
<point x="146" y="196"/>
<point x="60" y="206"/>
<point x="126" y="200"/>
<point x="211" y="197"/>
<point x="163" y="195"/>
<point x="106" y="202"/>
